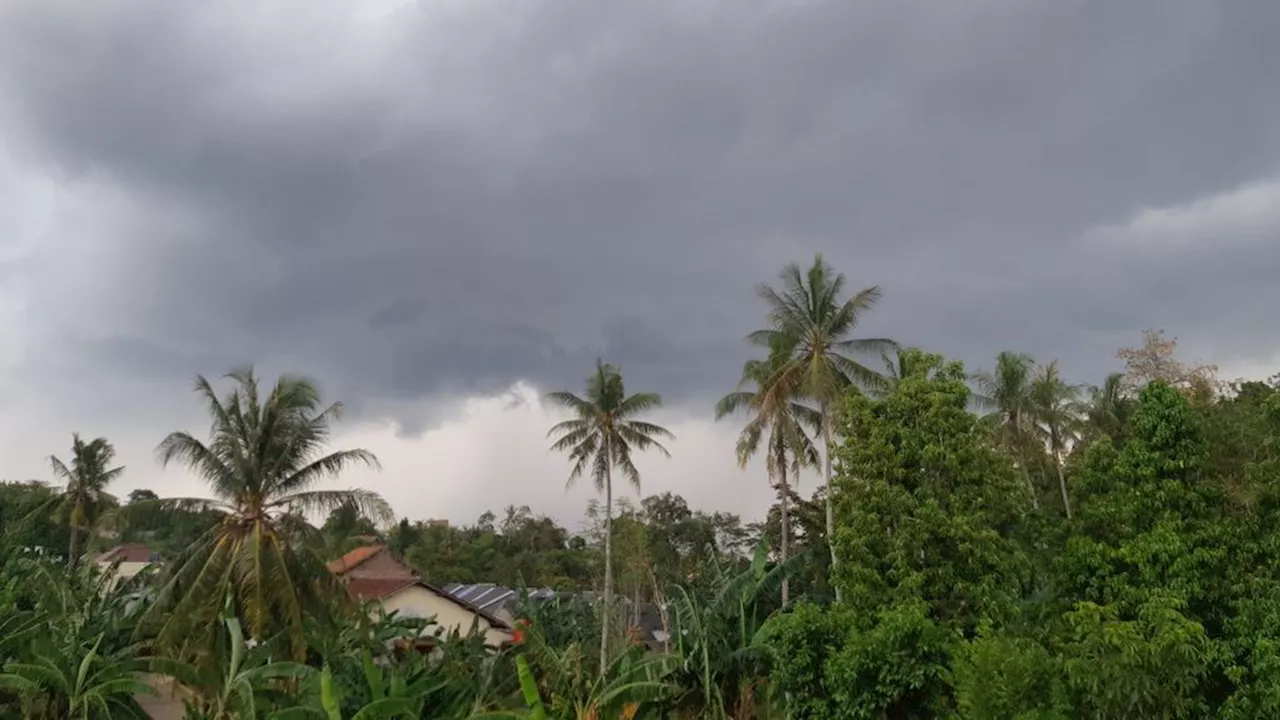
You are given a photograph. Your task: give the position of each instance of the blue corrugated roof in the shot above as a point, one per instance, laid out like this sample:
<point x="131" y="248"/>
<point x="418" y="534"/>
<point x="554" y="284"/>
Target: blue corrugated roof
<point x="490" y="596"/>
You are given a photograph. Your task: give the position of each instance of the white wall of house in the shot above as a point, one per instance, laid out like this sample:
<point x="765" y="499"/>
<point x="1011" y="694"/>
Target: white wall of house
<point x="124" y="571"/>
<point x="420" y="602"/>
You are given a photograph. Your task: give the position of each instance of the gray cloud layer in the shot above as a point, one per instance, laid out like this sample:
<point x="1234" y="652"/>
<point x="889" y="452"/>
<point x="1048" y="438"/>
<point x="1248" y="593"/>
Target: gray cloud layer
<point x="467" y="193"/>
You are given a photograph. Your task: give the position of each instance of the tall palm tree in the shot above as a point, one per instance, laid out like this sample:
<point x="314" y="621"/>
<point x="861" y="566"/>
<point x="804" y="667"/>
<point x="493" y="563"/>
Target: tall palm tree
<point x="1056" y="407"/>
<point x="264" y="458"/>
<point x="1007" y="393"/>
<point x="810" y="315"/>
<point x="765" y="394"/>
<point x="602" y="435"/>
<point x="86" y="478"/>
<point x="1108" y="408"/>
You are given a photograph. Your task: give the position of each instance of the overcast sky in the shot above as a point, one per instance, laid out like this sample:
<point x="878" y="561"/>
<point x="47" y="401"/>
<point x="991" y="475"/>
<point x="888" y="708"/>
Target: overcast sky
<point x="443" y="209"/>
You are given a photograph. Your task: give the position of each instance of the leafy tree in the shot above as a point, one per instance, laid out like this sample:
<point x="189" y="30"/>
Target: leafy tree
<point x="602" y="435"/>
<point x="769" y="394"/>
<point x="142" y="495"/>
<point x="86" y="479"/>
<point x="1152" y="665"/>
<point x="1000" y="674"/>
<point x="928" y="509"/>
<point x="1143" y="570"/>
<point x="264" y="458"/>
<point x="897" y="367"/>
<point x="834" y="665"/>
<point x="28" y="517"/>
<point x="810" y="561"/>
<point x="1154" y="361"/>
<point x="810" y="323"/>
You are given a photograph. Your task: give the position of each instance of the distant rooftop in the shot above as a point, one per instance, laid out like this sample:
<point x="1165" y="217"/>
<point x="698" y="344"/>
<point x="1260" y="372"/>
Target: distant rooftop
<point x="501" y="601"/>
<point x="354" y="558"/>
<point x="129" y="552"/>
<point x="491" y="597"/>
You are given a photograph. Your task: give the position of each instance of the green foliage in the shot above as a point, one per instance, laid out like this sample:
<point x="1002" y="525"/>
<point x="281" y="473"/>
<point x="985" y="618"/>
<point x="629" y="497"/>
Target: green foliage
<point x="561" y="683"/>
<point x="85" y="497"/>
<point x="600" y="437"/>
<point x="264" y="458"/>
<point x="927" y="507"/>
<point x="1001" y="675"/>
<point x="241" y="681"/>
<point x="719" y="654"/>
<point x="29" y="522"/>
<point x="1151" y="666"/>
<point x="960" y="590"/>
<point x="65" y="644"/>
<point x="834" y="664"/>
<point x="1148" y="527"/>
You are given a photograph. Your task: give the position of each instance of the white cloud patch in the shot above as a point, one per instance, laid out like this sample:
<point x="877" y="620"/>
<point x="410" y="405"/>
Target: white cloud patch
<point x="493" y="452"/>
<point x="1248" y="213"/>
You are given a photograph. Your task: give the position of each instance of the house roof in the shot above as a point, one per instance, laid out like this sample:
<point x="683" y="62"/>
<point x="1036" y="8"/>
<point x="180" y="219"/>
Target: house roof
<point x="129" y="552"/>
<point x="364" y="589"/>
<point x="348" y="562"/>
<point x="493" y="597"/>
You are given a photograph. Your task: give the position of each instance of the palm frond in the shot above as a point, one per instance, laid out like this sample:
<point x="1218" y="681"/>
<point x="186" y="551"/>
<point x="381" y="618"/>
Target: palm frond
<point x="368" y="503"/>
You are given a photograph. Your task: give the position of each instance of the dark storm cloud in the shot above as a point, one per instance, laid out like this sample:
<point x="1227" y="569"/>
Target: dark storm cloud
<point x="471" y="193"/>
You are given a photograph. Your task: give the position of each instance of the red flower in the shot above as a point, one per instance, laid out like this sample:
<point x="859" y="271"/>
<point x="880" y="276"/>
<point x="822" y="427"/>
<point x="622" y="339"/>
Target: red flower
<point x="517" y="633"/>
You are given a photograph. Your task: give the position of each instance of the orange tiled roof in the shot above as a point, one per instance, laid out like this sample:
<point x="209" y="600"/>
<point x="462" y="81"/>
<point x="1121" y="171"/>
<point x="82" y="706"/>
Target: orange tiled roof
<point x="377" y="588"/>
<point x="129" y="552"/>
<point x="355" y="557"/>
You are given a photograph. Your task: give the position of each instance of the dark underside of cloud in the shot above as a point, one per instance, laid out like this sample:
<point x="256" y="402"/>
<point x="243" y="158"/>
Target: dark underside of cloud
<point x="468" y="193"/>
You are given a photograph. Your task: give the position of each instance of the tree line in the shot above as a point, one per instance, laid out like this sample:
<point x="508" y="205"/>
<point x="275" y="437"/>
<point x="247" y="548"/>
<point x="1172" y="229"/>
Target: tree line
<point x="983" y="545"/>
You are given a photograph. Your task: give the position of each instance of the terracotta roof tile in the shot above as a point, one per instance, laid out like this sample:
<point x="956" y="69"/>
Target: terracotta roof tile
<point x="361" y="588"/>
<point x="129" y="552"/>
<point x="349" y="561"/>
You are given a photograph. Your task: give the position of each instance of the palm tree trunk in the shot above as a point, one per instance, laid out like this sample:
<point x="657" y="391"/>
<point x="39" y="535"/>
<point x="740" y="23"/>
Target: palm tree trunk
<point x="831" y="491"/>
<point x="71" y="549"/>
<point x="607" y="607"/>
<point x="786" y="526"/>
<point x="1062" y="485"/>
<point x="1031" y="488"/>
<point x="1016" y="435"/>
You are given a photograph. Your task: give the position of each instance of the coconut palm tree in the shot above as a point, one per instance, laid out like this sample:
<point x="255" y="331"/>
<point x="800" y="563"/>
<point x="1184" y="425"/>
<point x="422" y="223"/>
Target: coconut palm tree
<point x="86" y="478"/>
<point x="1056" y="409"/>
<point x="263" y="461"/>
<point x="1108" y="409"/>
<point x="603" y="434"/>
<point x="810" y="315"/>
<point x="1007" y="393"/>
<point x="764" y="393"/>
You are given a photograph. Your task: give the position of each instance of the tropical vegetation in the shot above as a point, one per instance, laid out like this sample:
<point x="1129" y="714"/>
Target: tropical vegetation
<point x="994" y="544"/>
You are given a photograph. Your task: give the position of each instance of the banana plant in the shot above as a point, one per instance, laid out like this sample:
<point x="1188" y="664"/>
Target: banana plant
<point x="560" y="684"/>
<point x="719" y="643"/>
<point x="57" y="684"/>
<point x="68" y="654"/>
<point x="399" y="691"/>
<point x="248" y="685"/>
